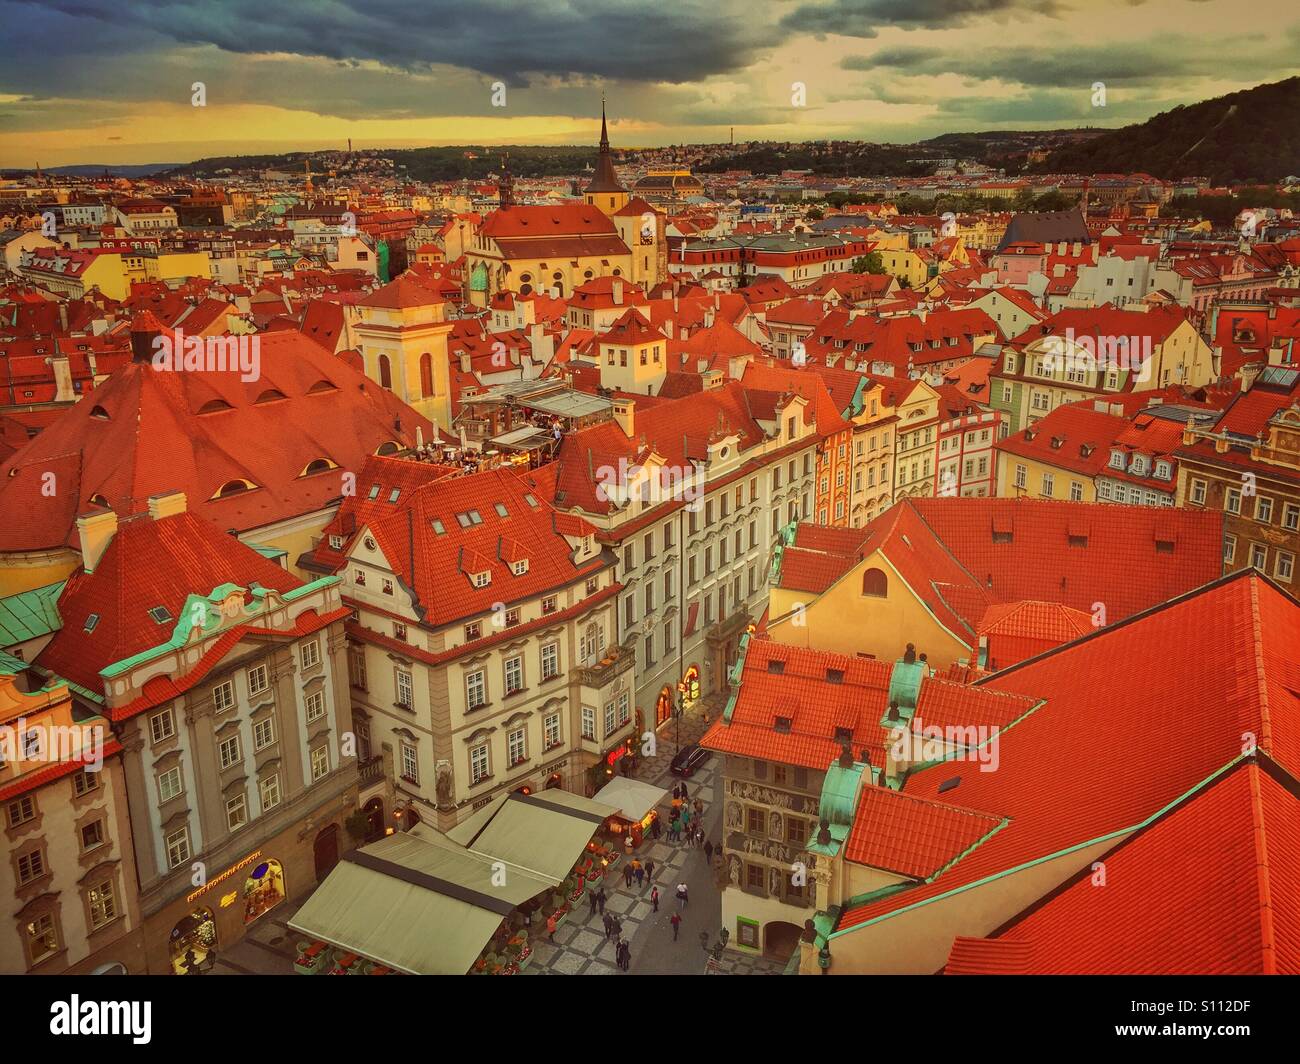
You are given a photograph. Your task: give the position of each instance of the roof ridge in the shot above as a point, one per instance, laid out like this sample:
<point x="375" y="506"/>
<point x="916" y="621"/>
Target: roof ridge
<point x="1268" y="943"/>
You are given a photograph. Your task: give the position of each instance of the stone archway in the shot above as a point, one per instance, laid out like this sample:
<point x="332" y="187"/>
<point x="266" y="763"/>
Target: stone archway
<point x="780" y="939"/>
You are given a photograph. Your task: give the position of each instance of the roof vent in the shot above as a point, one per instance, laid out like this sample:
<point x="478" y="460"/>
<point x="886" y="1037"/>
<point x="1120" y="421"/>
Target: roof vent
<point x="949" y="784"/>
<point x="776" y="665"/>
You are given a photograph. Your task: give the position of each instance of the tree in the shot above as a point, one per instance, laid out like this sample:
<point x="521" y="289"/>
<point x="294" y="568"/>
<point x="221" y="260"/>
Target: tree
<point x="869" y="263"/>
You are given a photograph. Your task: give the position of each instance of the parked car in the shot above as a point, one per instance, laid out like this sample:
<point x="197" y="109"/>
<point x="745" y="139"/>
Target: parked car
<point x="688" y="759"/>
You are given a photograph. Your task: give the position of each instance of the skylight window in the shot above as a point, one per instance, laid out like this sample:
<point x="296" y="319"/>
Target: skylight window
<point x="501" y="510"/>
<point x="439" y="528"/>
<point x="91" y="621"/>
<point x="160" y="614"/>
<point x="948" y="785"/>
<point x="530" y="499"/>
<point x="392" y="495"/>
<point x="374" y="491"/>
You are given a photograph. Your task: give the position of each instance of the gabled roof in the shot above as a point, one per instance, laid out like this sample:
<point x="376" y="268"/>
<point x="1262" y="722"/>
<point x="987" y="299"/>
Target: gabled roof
<point x="147" y="564"/>
<point x="1138" y="678"/>
<point x="1209" y="889"/>
<point x="146" y="431"/>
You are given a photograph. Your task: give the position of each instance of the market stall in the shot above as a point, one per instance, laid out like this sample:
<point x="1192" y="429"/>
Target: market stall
<point x="632" y="804"/>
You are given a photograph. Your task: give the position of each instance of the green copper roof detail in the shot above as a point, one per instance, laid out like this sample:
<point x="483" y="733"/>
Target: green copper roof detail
<point x="478" y="278"/>
<point x="12" y="666"/>
<point x="30" y="614"/>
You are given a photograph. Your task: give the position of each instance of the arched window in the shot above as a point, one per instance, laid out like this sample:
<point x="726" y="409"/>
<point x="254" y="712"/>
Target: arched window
<point x="875" y="584"/>
<point x="426" y="375"/>
<point x="385" y="372"/>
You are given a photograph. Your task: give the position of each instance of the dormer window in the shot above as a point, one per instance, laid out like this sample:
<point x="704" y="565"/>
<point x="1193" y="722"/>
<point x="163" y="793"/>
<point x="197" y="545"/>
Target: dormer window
<point x="1117" y="459"/>
<point x="519" y="567"/>
<point x="1163" y="470"/>
<point x="336" y="542"/>
<point x="480" y="579"/>
<point x="1139" y="465"/>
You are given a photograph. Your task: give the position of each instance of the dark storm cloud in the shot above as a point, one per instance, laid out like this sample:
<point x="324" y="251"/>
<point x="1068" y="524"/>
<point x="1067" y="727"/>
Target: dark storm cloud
<point x="862" y="18"/>
<point x="1071" y="64"/>
<point x="626" y="39"/>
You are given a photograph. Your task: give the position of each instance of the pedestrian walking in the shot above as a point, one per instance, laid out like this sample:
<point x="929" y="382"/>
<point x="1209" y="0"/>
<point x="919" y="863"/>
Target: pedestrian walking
<point x="683" y="894"/>
<point x="676" y="921"/>
<point x="624" y="955"/>
<point x="708" y="851"/>
<point x="600" y="900"/>
<point x="685" y="794"/>
<point x="550" y="927"/>
<point x="627" y="874"/>
<point x="699" y="807"/>
<point x="654" y="898"/>
<point x="627" y="844"/>
<point x="618" y="928"/>
<point x="609" y="926"/>
<point x="649" y="869"/>
<point x="591" y="900"/>
<point x="699" y="836"/>
<point x="640" y="877"/>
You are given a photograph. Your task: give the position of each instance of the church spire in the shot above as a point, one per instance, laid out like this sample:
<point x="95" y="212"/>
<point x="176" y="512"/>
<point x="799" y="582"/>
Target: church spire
<point x="605" y="179"/>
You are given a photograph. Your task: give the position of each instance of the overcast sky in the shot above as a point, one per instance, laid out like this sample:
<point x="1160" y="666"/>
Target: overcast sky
<point x="111" y="80"/>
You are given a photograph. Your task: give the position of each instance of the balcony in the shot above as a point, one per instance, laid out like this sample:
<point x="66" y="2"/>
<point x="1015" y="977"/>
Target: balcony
<point x="371" y="770"/>
<point x="617" y="660"/>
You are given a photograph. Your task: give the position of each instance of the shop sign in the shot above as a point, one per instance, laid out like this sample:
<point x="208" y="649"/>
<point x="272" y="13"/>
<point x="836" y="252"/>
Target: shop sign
<point x="224" y="876"/>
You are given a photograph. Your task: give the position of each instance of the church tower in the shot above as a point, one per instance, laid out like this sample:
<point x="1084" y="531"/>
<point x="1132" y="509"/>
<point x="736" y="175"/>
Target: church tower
<point x="604" y="192"/>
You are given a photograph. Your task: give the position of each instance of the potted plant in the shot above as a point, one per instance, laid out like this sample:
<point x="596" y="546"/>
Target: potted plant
<point x="357" y="824"/>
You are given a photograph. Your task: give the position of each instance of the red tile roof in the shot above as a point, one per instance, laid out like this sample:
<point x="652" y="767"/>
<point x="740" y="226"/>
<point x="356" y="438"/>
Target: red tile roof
<point x="913" y="837"/>
<point x="149" y="431"/>
<point x="147" y="564"/>
<point x="1067" y="776"/>
<point x="1211" y="889"/>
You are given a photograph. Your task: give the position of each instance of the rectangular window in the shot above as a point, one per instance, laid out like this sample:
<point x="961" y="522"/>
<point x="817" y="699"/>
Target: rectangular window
<point x="588" y="722"/>
<point x="1047" y="484"/>
<point x="1232" y="501"/>
<point x="357" y="667"/>
<point x="1022" y="477"/>
<point x="230" y="752"/>
<point x="514" y="675"/>
<point x="21" y="810"/>
<point x="517" y="747"/>
<point x="320" y="763"/>
<point x="315" y="703"/>
<point x="102" y="903"/>
<point x="84" y="782"/>
<point x="263" y="733"/>
<point x="475" y="689"/>
<point x="550" y="661"/>
<point x="162" y="725"/>
<point x="236" y="812"/>
<point x="755" y="822"/>
<point x="178" y="847"/>
<point x="410" y="763"/>
<point x="258" y="680"/>
<point x="169" y="784"/>
<point x="31" y="866"/>
<point x="1284" y="567"/>
<point x="1263" y="509"/>
<point x="624" y="708"/>
<point x="551" y="730"/>
<point x="41" y="937"/>
<point x="405" y="689"/>
<point x="478" y="763"/>
<point x="549" y="604"/>
<point x="1291" y="516"/>
<point x="611" y="712"/>
<point x="1259" y="556"/>
<point x="269" y="790"/>
<point x="311" y="654"/>
<point x="92" y="835"/>
<point x="223" y="696"/>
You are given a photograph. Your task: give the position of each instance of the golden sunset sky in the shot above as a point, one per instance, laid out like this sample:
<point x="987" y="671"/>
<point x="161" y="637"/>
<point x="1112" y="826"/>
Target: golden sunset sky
<point x="95" y="81"/>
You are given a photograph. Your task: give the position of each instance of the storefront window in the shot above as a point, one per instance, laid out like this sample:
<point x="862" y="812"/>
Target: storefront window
<point x="263" y="890"/>
<point x="193" y="944"/>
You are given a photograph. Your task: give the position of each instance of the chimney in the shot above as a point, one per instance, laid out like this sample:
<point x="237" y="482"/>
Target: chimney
<point x="625" y="415"/>
<point x="166" y="504"/>
<point x="542" y="342"/>
<point x="145" y="328"/>
<point x="618" y="293"/>
<point x="96" y="532"/>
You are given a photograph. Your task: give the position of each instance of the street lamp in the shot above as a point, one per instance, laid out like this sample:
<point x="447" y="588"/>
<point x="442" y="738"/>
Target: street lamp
<point x="681" y="712"/>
